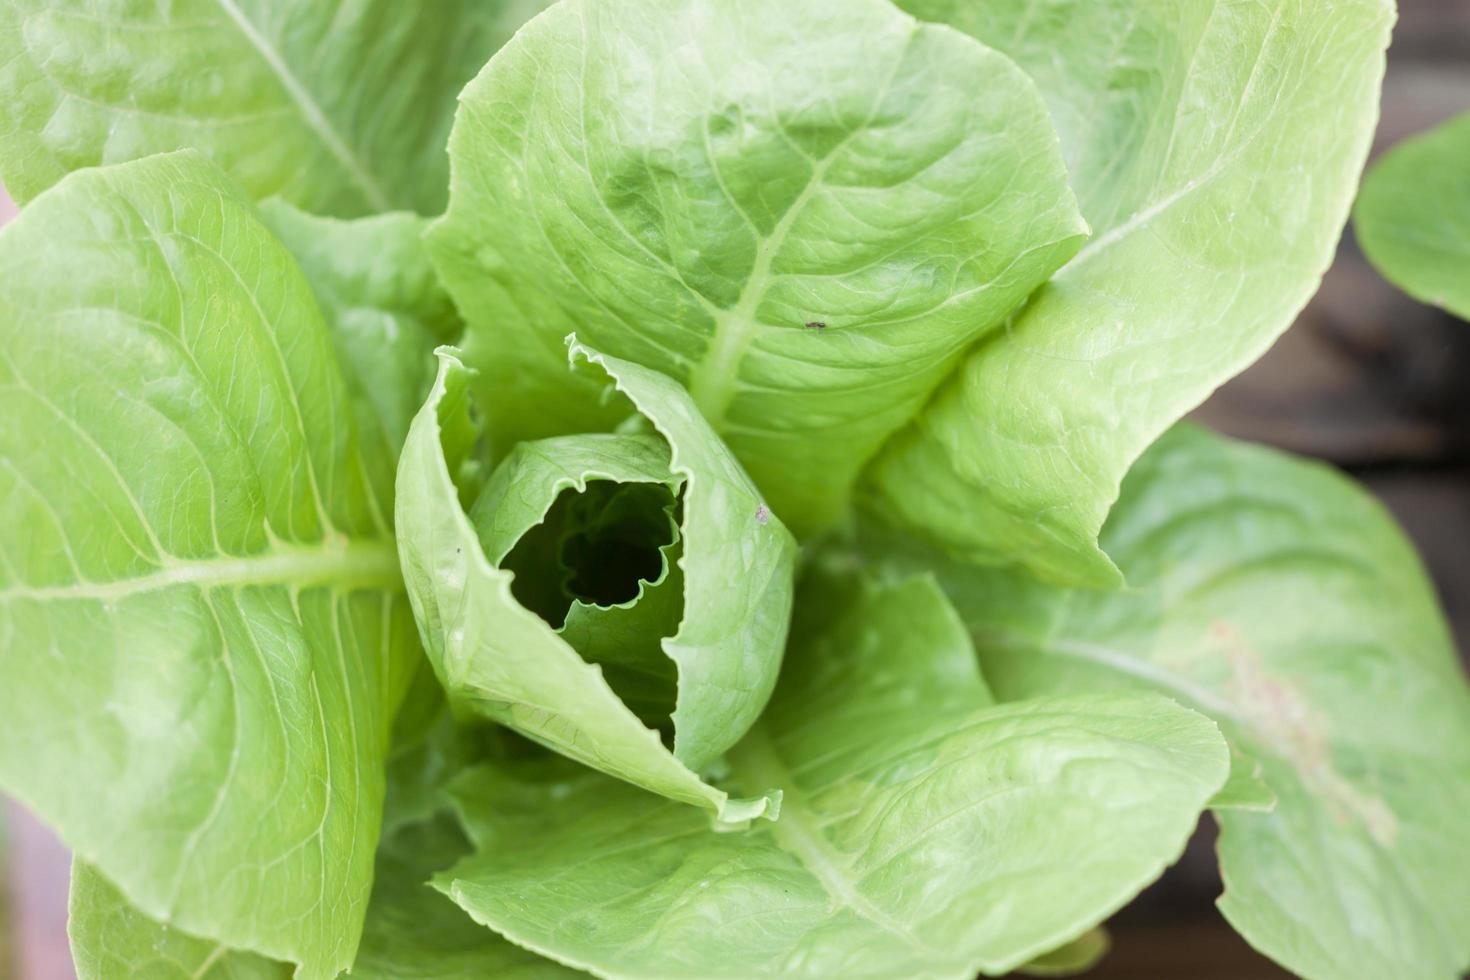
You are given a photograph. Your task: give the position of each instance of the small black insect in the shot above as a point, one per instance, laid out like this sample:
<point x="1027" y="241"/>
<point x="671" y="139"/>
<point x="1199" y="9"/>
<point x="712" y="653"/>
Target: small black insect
<point x="816" y="325"/>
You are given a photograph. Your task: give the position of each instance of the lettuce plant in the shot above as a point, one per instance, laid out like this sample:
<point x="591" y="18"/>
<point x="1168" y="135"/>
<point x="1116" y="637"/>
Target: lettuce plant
<point x="726" y="518"/>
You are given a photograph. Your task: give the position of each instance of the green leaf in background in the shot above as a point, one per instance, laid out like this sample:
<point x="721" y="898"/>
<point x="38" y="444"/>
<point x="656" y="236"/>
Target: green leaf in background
<point x="1215" y="146"/>
<point x="1413" y="216"/>
<point x="1078" y="956"/>
<point x="339" y="106"/>
<point x="385" y="312"/>
<point x="415" y="933"/>
<point x="412" y="932"/>
<point x="807" y="244"/>
<point x="203" y="617"/>
<point x="1278" y="598"/>
<point x="924" y="831"/>
<point x="429" y="748"/>
<point x="112" y="940"/>
<point x="502" y="659"/>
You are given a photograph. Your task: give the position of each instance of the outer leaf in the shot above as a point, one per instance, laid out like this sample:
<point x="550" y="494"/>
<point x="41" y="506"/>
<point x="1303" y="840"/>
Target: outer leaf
<point x="923" y="833"/>
<point x="1413" y="216"/>
<point x="807" y="246"/>
<point x="1216" y="145"/>
<point x="202" y="621"/>
<point x="112" y="940"/>
<point x="415" y="933"/>
<point x="340" y="106"/>
<point x="498" y="657"/>
<point x="1279" y="599"/>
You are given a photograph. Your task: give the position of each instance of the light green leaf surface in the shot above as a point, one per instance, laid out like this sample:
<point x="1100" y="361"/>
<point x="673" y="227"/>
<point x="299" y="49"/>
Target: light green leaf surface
<point x="415" y="933"/>
<point x="1278" y="598"/>
<point x="340" y="106"/>
<point x="924" y="832"/>
<point x="202" y="616"/>
<point x="694" y="186"/>
<point x="385" y="312"/>
<point x="112" y="940"/>
<point x="1215" y="146"/>
<point x="496" y="656"/>
<point x="1413" y="216"/>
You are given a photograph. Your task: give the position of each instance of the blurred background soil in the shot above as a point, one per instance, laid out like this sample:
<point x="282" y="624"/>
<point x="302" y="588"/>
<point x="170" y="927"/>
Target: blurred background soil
<point x="1366" y="379"/>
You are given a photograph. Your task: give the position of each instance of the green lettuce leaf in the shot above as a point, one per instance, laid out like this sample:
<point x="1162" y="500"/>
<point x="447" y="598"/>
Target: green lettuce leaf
<point x="203" y="616"/>
<point x="1246" y="789"/>
<point x="1413" y="216"/>
<point x="807" y="246"/>
<point x="412" y="932"/>
<point x="1078" y="956"/>
<point x="1278" y="598"/>
<point x="385" y="311"/>
<point x="429" y="748"/>
<point x="496" y="656"/>
<point x="415" y="933"/>
<point x="1215" y="148"/>
<point x="339" y="106"/>
<point x="112" y="940"/>
<point x="924" y="831"/>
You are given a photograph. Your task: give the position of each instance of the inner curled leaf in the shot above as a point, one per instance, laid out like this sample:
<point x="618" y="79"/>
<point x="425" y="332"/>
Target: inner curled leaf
<point x="601" y="566"/>
<point x="599" y="546"/>
<point x="611" y="595"/>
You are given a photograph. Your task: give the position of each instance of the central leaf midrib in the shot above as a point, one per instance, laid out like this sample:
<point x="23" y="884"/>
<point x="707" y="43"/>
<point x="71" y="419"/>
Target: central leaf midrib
<point x="712" y="381"/>
<point x="312" y="113"/>
<point x="364" y="563"/>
